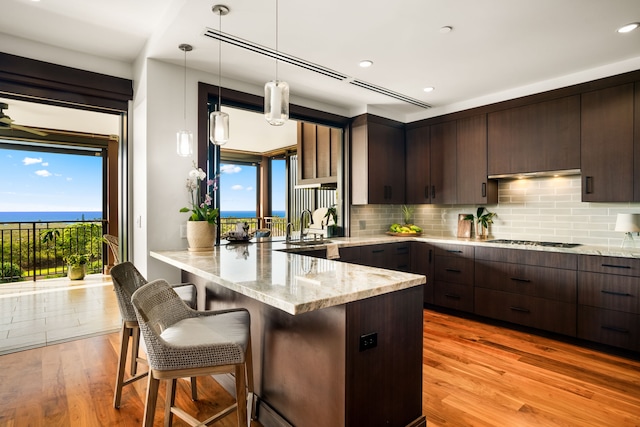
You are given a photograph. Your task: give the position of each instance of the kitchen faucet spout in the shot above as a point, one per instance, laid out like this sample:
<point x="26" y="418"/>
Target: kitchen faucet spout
<point x="302" y="232"/>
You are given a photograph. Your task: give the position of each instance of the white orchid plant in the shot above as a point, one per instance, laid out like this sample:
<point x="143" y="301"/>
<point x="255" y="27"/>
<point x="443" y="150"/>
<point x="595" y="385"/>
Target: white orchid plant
<point x="201" y="208"/>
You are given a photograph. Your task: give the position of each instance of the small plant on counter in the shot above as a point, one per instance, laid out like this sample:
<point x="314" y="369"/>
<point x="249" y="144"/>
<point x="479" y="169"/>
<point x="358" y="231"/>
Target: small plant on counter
<point x="483" y="219"/>
<point x="407" y="214"/>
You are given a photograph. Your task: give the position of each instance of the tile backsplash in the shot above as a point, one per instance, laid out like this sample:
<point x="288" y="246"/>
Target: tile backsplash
<point x="545" y="209"/>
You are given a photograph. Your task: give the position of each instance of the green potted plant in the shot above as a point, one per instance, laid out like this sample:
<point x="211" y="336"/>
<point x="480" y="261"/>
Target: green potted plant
<point x="201" y="226"/>
<point x="483" y="219"/>
<point x="332" y="215"/>
<point x="76" y="266"/>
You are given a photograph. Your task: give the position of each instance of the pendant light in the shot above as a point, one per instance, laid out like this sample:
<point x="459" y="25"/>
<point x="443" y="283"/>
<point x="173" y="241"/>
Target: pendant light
<point x="184" y="138"/>
<point x="276" y="94"/>
<point x="219" y="121"/>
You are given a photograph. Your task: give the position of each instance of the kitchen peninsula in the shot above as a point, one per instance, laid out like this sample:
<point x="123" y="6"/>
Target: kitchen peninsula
<point x="335" y="344"/>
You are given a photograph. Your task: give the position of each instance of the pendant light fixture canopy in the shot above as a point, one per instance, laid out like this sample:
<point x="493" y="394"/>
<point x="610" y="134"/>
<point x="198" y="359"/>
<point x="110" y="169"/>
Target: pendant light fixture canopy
<point x="276" y="94"/>
<point x="184" y="138"/>
<point x="219" y="121"/>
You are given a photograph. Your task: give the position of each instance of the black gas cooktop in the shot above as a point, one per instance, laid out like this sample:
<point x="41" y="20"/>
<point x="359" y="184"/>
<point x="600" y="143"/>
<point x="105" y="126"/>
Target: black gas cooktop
<point x="534" y="243"/>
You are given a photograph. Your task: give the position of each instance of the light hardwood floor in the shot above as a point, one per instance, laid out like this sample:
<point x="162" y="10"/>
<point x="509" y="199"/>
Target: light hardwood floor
<point x="474" y="374"/>
<point x="481" y="375"/>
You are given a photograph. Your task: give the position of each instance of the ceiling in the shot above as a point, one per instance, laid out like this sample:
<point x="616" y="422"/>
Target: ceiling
<point x="496" y="48"/>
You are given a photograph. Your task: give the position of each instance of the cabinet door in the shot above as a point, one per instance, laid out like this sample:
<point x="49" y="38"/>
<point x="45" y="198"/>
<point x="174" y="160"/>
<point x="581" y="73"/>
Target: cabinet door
<point x="607" y="144"/>
<point x="443" y="163"/>
<point x="533" y="138"/>
<point x="472" y="184"/>
<point x="377" y="161"/>
<point x="318" y="154"/>
<point x="422" y="257"/>
<point x="418" y="159"/>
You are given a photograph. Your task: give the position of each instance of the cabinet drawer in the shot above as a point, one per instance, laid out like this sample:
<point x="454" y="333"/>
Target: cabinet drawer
<point x="554" y="316"/>
<point x="454" y="270"/>
<point x="550" y="283"/>
<point x="609" y="265"/>
<point x="463" y="251"/>
<point x="528" y="257"/>
<point x="618" y="293"/>
<point x="453" y="295"/>
<point x="609" y="327"/>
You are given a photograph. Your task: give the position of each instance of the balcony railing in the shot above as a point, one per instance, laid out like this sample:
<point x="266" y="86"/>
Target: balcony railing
<point x="37" y="250"/>
<point x="32" y="250"/>
<point x="277" y="225"/>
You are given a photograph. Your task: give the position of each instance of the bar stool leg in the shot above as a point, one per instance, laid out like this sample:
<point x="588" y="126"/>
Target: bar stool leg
<point x="125" y="332"/>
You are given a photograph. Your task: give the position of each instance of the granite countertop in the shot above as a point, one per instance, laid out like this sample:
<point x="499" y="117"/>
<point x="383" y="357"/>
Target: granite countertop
<point x="293" y="283"/>
<point x="280" y="275"/>
<point x="614" y="251"/>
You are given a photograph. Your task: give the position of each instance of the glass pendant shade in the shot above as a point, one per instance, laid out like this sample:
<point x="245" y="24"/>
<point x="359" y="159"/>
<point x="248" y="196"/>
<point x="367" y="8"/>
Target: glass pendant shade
<point x="219" y="127"/>
<point x="276" y="102"/>
<point x="184" y="143"/>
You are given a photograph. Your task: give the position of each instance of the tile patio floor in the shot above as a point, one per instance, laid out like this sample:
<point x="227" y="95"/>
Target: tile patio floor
<point x="45" y="312"/>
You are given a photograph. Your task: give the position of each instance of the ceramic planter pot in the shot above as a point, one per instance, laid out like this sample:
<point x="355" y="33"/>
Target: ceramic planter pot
<point x="76" y="272"/>
<point x="201" y="236"/>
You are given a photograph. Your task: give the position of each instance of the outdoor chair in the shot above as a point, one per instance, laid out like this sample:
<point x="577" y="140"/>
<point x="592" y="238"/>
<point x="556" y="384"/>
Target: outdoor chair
<point x="183" y="342"/>
<point x="113" y="243"/>
<point x="126" y="279"/>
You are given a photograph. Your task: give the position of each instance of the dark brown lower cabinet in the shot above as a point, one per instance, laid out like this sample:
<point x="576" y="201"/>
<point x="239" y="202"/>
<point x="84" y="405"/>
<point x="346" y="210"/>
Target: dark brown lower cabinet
<point x="535" y="289"/>
<point x="609" y="301"/>
<point x="453" y="286"/>
<point x="540" y="313"/>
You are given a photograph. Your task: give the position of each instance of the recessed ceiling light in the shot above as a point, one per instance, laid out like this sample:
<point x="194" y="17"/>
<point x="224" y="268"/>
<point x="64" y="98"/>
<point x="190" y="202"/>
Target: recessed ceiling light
<point x="629" y="27"/>
<point x="429" y="89"/>
<point x="446" y="29"/>
<point x="366" y="63"/>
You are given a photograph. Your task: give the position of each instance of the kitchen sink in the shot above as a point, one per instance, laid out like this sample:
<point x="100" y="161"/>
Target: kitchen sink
<point x="308" y="242"/>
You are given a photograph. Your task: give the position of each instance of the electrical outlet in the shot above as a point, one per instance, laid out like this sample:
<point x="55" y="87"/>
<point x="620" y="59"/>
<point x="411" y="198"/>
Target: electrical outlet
<point x="368" y="341"/>
<point x="363" y="224"/>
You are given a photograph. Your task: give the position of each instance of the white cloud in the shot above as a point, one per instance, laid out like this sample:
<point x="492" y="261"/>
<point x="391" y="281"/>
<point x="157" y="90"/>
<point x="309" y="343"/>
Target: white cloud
<point x="249" y="188"/>
<point x="69" y="179"/>
<point x="237" y="187"/>
<point x="31" y="160"/>
<point x="45" y="163"/>
<point x="230" y="169"/>
<point x="43" y="172"/>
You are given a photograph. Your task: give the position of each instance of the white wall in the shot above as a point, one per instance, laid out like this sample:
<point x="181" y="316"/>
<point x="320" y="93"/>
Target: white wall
<point x="543" y="209"/>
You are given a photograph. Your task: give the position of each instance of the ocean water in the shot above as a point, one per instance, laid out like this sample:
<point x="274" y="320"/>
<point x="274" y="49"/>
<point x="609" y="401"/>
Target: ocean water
<point x="49" y="216"/>
<point x="92" y="215"/>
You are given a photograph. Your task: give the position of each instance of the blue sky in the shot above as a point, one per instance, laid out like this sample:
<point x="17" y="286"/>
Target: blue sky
<point x="238" y="187"/>
<point x="33" y="181"/>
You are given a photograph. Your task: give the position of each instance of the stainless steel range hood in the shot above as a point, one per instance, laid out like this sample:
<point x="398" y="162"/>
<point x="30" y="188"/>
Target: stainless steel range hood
<point x="523" y="175"/>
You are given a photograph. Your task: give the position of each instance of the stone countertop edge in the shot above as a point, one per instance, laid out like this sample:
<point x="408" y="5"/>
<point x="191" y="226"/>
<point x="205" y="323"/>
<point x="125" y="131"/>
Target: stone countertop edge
<point x="301" y="292"/>
<point x="583" y="249"/>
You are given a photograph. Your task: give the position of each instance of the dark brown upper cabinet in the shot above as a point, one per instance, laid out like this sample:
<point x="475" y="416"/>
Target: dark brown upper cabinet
<point x="539" y="137"/>
<point x="443" y="163"/>
<point x="607" y="144"/>
<point x="471" y="154"/>
<point x="431" y="164"/>
<point x="318" y="153"/>
<point x="377" y="161"/>
<point x="418" y="161"/>
<point x="447" y="163"/>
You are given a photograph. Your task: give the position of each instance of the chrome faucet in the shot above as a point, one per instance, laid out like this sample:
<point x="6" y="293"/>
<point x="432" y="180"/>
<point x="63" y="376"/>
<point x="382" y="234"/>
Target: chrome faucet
<point x="288" y="232"/>
<point x="302" y="233"/>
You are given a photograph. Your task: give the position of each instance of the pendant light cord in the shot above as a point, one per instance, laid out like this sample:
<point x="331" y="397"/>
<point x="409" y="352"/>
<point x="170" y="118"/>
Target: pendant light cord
<point x="220" y="61"/>
<point x="277" y="40"/>
<point x="185" y="88"/>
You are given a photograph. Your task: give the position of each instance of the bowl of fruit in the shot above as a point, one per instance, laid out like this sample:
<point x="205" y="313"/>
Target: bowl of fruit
<point x="404" y="230"/>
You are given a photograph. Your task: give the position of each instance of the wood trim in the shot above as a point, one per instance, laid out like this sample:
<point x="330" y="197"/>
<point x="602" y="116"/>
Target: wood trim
<point x="53" y="82"/>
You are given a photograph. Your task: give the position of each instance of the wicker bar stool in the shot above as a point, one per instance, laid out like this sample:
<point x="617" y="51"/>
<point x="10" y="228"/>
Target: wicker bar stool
<point x="183" y="342"/>
<point x="126" y="279"/>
